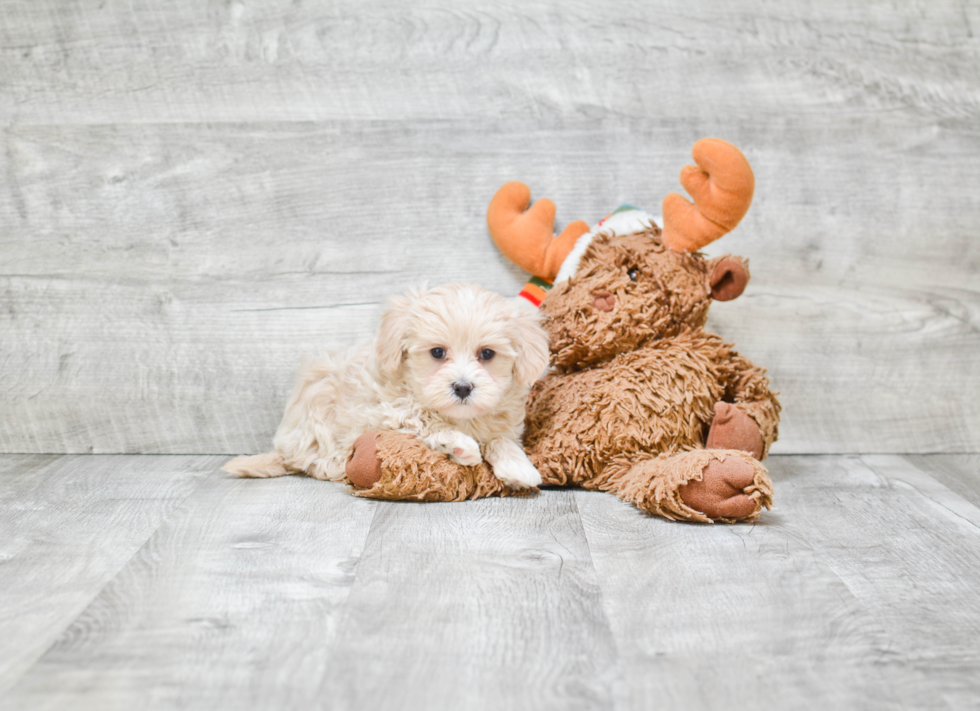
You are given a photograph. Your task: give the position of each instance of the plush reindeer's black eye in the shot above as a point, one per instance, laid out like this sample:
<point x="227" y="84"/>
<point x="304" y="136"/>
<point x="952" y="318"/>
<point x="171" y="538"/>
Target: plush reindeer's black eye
<point x="487" y="354"/>
<point x="438" y="353"/>
<point x="633" y="274"/>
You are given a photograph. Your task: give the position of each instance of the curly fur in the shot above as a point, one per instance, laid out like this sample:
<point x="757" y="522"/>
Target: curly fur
<point x="397" y="384"/>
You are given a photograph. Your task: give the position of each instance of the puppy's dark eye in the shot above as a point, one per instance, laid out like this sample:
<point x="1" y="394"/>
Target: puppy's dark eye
<point x="633" y="274"/>
<point x="487" y="354"/>
<point x="438" y="353"/>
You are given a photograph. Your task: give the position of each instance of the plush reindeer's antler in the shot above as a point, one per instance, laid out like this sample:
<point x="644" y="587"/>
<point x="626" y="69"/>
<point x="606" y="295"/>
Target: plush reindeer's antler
<point x="527" y="238"/>
<point x="722" y="187"/>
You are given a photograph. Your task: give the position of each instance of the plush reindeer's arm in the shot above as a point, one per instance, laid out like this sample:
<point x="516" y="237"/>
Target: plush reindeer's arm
<point x="747" y="388"/>
<point x="398" y="466"/>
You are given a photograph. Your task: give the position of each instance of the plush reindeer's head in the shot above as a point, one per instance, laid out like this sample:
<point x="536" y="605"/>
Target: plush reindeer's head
<point x="628" y="289"/>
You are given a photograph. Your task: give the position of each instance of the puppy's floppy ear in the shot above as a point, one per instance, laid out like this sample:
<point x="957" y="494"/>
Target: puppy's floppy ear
<point x="391" y="336"/>
<point x="531" y="344"/>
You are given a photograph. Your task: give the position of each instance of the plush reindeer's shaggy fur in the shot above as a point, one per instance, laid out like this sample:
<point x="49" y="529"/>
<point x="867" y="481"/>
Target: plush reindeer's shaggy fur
<point x="640" y="381"/>
<point x="637" y="391"/>
<point x="643" y="376"/>
<point x="641" y="402"/>
<point x="668" y="292"/>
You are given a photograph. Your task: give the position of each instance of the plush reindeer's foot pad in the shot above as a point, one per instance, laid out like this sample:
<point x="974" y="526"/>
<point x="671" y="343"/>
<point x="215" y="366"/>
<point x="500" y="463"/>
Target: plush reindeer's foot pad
<point x="408" y="470"/>
<point x="364" y="468"/>
<point x="699" y="485"/>
<point x="727" y="491"/>
<point x="733" y="429"/>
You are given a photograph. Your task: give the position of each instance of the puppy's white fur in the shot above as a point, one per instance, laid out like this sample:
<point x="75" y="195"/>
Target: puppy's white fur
<point x="397" y="384"/>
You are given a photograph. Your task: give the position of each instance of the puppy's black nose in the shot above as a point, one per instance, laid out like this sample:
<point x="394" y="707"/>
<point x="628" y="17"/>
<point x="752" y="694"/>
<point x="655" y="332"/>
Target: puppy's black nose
<point x="462" y="390"/>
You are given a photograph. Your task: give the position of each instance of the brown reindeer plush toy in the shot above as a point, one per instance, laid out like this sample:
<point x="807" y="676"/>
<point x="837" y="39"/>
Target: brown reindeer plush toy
<point x="640" y="400"/>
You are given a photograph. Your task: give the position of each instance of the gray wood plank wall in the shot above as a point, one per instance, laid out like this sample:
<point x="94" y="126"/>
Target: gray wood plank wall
<point x="192" y="195"/>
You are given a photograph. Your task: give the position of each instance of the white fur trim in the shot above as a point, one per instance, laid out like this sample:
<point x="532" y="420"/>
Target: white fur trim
<point x="620" y="223"/>
<point x="570" y="265"/>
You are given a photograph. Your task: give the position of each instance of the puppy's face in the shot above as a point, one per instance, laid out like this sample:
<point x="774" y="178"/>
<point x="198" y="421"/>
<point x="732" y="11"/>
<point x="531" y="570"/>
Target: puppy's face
<point x="463" y="351"/>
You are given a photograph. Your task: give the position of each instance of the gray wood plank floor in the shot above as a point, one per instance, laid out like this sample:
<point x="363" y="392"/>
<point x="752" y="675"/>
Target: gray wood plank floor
<point x="158" y="582"/>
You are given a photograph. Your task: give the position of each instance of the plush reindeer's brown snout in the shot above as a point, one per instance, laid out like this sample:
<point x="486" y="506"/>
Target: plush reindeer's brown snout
<point x="603" y="301"/>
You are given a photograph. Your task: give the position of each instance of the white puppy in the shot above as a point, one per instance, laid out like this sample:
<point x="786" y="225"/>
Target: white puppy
<point x="452" y="365"/>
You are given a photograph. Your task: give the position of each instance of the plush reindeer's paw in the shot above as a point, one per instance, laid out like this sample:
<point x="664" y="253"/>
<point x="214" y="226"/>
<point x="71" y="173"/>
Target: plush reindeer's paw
<point x="733" y="429"/>
<point x="464" y="450"/>
<point x="399" y="466"/>
<point x="364" y="466"/>
<point x="517" y="473"/>
<point x="726" y="490"/>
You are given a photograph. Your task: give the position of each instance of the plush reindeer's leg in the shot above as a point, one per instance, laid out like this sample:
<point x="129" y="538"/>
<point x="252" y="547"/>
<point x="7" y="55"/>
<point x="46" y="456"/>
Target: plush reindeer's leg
<point x="398" y="466"/>
<point x="698" y="485"/>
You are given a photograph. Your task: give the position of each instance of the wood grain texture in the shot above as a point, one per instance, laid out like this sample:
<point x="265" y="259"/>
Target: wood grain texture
<point x="959" y="473"/>
<point x="856" y="591"/>
<point x="142" y="62"/>
<point x="267" y="595"/>
<point x="488" y="604"/>
<point x="193" y="195"/>
<point x="68" y="525"/>
<point x="233" y="603"/>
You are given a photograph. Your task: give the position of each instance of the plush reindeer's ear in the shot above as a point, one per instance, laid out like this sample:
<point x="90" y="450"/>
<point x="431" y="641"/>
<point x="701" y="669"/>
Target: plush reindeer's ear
<point x="391" y="336"/>
<point x="531" y="344"/>
<point x="728" y="277"/>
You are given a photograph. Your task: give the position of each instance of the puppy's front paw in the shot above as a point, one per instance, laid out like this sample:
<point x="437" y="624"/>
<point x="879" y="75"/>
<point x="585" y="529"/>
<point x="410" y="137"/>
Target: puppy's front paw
<point x="464" y="450"/>
<point x="517" y="473"/>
